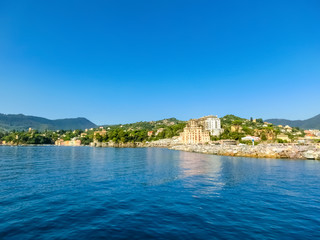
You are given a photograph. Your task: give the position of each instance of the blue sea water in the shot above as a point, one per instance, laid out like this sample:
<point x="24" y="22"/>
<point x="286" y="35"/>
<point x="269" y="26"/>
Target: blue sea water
<point x="149" y="193"/>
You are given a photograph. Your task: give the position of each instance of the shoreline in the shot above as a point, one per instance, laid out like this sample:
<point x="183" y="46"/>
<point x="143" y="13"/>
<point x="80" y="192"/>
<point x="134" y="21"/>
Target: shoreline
<point x="274" y="151"/>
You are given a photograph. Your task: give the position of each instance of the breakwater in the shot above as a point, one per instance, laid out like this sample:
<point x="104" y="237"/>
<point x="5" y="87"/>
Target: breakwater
<point x="276" y="150"/>
<point x="289" y="151"/>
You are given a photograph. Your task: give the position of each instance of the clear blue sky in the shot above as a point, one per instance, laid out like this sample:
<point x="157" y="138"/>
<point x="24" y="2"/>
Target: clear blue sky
<point x="124" y="61"/>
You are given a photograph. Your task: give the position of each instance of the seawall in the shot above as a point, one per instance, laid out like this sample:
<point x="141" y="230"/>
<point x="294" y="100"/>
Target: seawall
<point x="289" y="151"/>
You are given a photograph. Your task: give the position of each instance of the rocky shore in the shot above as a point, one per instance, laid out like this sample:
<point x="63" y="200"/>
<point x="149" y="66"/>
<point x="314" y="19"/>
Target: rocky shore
<point x="289" y="151"/>
<point x="286" y="151"/>
<point x="164" y="143"/>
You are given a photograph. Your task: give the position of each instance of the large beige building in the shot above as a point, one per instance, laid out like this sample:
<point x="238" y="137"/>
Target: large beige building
<point x="199" y="130"/>
<point x="194" y="133"/>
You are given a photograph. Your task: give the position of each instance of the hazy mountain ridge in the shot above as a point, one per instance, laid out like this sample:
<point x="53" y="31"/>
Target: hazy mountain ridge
<point x="311" y="123"/>
<point x="23" y="122"/>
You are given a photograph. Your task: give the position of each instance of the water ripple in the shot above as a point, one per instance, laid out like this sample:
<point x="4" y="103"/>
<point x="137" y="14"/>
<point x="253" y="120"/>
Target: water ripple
<point x="106" y="193"/>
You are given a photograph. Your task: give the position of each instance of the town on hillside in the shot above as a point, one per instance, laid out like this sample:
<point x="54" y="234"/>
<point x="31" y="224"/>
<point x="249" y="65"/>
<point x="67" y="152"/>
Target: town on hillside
<point x="205" y="130"/>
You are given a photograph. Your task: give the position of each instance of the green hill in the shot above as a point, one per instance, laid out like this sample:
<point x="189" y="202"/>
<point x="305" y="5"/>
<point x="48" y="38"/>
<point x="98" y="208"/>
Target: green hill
<point x="144" y="125"/>
<point x="311" y="123"/>
<point x="22" y="122"/>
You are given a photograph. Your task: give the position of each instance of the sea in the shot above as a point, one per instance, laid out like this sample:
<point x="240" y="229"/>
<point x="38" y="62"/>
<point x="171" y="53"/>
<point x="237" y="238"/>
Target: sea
<point x="56" y="192"/>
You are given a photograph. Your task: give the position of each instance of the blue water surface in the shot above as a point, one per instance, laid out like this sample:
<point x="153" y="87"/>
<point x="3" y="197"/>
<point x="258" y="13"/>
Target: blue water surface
<point x="149" y="193"/>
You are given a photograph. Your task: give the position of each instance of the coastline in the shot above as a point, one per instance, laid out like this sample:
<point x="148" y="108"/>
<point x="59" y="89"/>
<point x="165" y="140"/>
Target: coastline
<point x="275" y="151"/>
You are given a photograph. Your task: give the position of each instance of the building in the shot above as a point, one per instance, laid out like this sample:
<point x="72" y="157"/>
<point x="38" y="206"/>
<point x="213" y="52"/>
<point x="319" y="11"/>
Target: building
<point x="312" y="132"/>
<point x="150" y="133"/>
<point x="199" y="130"/>
<point x="160" y="130"/>
<point x="227" y="142"/>
<point x="212" y="124"/>
<point x="194" y="133"/>
<point x="288" y="128"/>
<point x="102" y="132"/>
<point x="284" y="137"/>
<point x="73" y="142"/>
<point x="59" y="142"/>
<point x="236" y="128"/>
<point x="250" y="138"/>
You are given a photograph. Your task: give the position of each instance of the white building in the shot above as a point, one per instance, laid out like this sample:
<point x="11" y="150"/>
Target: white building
<point x="250" y="138"/>
<point x="213" y="125"/>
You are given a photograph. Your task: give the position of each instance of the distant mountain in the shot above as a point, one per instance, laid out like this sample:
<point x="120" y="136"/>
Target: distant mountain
<point x="23" y="122"/>
<point x="311" y="123"/>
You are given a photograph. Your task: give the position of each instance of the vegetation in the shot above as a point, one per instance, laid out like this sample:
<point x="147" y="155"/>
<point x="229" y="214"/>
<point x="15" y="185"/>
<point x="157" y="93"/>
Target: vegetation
<point x="237" y="128"/>
<point x="134" y="132"/>
<point x="234" y="128"/>
<point x="138" y="132"/>
<point x="33" y="137"/>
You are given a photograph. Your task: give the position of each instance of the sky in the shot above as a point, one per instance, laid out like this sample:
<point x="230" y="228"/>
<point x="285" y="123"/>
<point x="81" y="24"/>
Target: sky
<point x="116" y="61"/>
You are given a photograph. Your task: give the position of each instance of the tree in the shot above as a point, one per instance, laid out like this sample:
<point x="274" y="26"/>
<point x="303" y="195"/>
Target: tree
<point x="259" y="120"/>
<point x="263" y="137"/>
<point x="98" y="137"/>
<point x="237" y="122"/>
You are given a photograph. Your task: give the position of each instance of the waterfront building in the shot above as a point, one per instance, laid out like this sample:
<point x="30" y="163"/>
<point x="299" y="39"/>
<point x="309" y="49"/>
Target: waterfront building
<point x="227" y="142"/>
<point x="150" y="133"/>
<point x="59" y="142"/>
<point x="194" y="133"/>
<point x="199" y="130"/>
<point x="73" y="142"/>
<point x="213" y="125"/>
<point x="250" y="138"/>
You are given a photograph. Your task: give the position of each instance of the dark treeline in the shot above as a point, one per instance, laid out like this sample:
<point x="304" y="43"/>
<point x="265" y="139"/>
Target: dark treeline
<point x="115" y="133"/>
